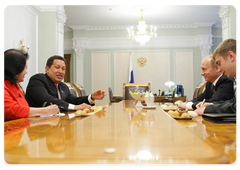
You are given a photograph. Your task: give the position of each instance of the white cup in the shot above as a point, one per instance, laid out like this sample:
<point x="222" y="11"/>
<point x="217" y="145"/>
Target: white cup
<point x="149" y="99"/>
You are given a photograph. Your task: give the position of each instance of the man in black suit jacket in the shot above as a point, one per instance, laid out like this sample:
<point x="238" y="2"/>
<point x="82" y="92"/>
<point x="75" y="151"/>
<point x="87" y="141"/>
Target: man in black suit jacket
<point x="218" y="88"/>
<point x="225" y="57"/>
<point x="46" y="89"/>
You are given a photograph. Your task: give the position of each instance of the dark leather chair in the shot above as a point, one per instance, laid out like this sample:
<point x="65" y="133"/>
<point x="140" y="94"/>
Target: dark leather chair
<point x="133" y="86"/>
<point x="80" y="90"/>
<point x="199" y="89"/>
<point x="71" y="88"/>
<point x="112" y="98"/>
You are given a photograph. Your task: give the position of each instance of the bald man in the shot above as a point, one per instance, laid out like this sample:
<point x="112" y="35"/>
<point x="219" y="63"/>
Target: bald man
<point x="225" y="57"/>
<point x="218" y="88"/>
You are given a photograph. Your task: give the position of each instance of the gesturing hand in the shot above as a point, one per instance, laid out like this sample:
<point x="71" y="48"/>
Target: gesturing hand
<point x="204" y="105"/>
<point x="98" y="95"/>
<point x="200" y="110"/>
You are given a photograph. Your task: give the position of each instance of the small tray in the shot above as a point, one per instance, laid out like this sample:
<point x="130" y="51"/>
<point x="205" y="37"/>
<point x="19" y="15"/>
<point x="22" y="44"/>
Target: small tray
<point x="149" y="107"/>
<point x="84" y="115"/>
<point x="182" y="118"/>
<point x="99" y="108"/>
<point x="168" y="109"/>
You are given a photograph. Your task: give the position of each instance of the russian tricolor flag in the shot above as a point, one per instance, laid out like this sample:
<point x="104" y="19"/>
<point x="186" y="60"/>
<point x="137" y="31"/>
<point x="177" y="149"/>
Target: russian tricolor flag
<point x="131" y="78"/>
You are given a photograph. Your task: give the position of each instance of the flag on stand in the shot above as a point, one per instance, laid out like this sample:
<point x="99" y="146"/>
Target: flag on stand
<point x="131" y="78"/>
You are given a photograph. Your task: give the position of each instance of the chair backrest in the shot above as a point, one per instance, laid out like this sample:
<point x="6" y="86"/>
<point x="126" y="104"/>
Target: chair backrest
<point x="110" y="93"/>
<point x="80" y="90"/>
<point x="199" y="89"/>
<point x="21" y="88"/>
<point x="174" y="92"/>
<point x="71" y="88"/>
<point x="133" y="86"/>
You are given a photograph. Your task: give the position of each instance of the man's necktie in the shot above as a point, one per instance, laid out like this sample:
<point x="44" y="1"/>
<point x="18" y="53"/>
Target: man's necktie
<point x="213" y="89"/>
<point x="235" y="87"/>
<point x="59" y="95"/>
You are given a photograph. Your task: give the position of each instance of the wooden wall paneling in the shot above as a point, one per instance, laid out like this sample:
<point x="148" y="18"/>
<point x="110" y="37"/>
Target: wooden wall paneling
<point x="184" y="71"/>
<point x="100" y="74"/>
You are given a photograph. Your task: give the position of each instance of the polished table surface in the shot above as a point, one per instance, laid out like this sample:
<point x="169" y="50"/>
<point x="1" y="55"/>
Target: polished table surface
<point x="119" y="134"/>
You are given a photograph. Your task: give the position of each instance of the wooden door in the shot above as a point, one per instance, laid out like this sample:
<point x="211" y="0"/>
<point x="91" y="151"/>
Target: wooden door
<point x="67" y="57"/>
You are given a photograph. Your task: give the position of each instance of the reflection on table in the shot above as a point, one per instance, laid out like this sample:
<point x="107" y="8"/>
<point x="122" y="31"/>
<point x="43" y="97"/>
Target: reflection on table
<point x="136" y="136"/>
<point x="218" y="135"/>
<point x="168" y="99"/>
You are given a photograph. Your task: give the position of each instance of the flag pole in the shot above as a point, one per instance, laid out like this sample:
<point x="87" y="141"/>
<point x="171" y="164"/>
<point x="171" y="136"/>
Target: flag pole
<point x="131" y="77"/>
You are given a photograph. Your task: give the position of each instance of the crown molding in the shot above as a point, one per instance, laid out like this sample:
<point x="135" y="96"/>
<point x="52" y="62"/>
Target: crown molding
<point x="82" y="27"/>
<point x="124" y="43"/>
<point x="219" y="24"/>
<point x="30" y="10"/>
<point x="205" y="24"/>
<point x="88" y="27"/>
<point x="66" y="28"/>
<point x="45" y="8"/>
<point x="177" y="26"/>
<point x="162" y="26"/>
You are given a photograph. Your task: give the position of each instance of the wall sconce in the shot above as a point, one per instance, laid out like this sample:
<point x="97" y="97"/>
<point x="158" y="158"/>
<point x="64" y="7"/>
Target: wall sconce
<point x="22" y="46"/>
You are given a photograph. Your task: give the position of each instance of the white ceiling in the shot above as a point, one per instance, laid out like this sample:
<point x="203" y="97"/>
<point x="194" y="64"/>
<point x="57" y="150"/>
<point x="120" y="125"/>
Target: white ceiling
<point x="113" y="15"/>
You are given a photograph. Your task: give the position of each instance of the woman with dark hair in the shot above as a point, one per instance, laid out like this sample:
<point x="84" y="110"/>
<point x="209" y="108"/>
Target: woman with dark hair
<point x="15" y="105"/>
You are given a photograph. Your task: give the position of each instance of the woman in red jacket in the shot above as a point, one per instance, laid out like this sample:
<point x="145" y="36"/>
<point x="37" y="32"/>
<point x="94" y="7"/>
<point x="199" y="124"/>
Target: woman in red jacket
<point x="15" y="105"/>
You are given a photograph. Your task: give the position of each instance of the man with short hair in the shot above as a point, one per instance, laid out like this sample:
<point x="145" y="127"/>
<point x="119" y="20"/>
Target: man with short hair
<point x="225" y="57"/>
<point x="218" y="88"/>
<point x="48" y="88"/>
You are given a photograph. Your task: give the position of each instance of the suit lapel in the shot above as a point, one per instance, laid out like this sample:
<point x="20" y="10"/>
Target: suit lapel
<point x="52" y="86"/>
<point x="61" y="90"/>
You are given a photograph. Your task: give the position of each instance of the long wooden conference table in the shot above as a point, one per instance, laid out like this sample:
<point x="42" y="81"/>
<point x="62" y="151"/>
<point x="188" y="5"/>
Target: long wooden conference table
<point x="119" y="134"/>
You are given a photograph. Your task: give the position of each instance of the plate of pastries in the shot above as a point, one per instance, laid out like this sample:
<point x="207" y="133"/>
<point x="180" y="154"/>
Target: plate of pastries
<point x="183" y="114"/>
<point x="179" y="113"/>
<point x="168" y="107"/>
<point x="87" y="112"/>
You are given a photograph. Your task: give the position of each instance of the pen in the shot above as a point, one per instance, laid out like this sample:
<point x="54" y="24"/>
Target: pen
<point x="202" y="102"/>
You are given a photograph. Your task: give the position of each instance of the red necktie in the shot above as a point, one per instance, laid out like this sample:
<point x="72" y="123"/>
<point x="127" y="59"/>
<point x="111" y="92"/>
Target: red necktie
<point x="59" y="96"/>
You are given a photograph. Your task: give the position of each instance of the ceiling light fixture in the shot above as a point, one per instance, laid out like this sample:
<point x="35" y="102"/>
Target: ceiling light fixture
<point x="143" y="35"/>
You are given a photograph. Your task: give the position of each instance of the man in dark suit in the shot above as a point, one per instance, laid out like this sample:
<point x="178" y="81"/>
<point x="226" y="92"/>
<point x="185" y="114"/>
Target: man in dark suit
<point x="48" y="88"/>
<point x="225" y="57"/>
<point x="218" y="88"/>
